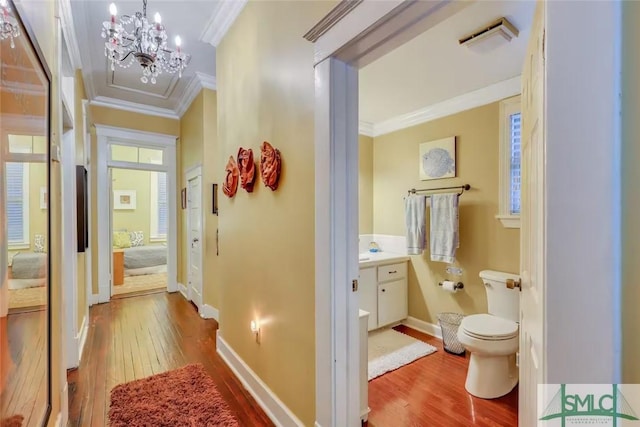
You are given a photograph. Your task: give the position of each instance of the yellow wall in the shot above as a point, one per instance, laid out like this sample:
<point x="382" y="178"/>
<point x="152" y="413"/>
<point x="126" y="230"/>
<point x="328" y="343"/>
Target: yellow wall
<point x="365" y="184"/>
<point x="199" y="147"/>
<point x="190" y="152"/>
<point x="80" y="95"/>
<point x="484" y="243"/>
<point x="630" y="194"/>
<point x="137" y="219"/>
<point x="210" y="173"/>
<point x="266" y="92"/>
<point x="137" y="121"/>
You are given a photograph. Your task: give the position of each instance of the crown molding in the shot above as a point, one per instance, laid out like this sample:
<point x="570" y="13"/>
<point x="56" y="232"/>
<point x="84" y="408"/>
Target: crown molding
<point x="476" y="98"/>
<point x="70" y="34"/>
<point x="196" y="84"/>
<point x="224" y="15"/>
<point x="365" y="128"/>
<point x="134" y="107"/>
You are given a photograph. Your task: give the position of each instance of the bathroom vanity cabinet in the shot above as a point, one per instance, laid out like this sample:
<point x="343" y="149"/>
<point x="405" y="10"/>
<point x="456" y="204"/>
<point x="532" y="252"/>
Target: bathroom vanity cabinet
<point x="383" y="291"/>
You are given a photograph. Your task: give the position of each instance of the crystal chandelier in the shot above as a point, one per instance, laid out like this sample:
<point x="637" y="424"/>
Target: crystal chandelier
<point x="134" y="39"/>
<point x="9" y="27"/>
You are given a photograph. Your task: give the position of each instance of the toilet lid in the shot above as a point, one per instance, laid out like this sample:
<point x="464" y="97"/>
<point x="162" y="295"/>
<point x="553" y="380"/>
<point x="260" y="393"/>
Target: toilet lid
<point x="486" y="326"/>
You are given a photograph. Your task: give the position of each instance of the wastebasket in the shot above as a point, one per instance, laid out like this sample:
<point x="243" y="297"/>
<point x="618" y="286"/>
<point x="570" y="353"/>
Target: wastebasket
<point x="449" y="323"/>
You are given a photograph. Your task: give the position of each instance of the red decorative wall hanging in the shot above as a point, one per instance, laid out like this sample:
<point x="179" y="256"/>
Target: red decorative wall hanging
<point x="247" y="168"/>
<point x="270" y="165"/>
<point x="230" y="185"/>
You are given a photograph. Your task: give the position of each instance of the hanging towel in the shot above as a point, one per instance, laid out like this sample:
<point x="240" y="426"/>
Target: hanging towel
<point x="444" y="227"/>
<point x="414" y="212"/>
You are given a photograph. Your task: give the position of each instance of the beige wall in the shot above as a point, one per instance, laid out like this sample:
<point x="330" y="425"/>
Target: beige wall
<point x="484" y="243"/>
<point x="266" y="92"/>
<point x="365" y="184"/>
<point x="137" y="219"/>
<point x="630" y="193"/>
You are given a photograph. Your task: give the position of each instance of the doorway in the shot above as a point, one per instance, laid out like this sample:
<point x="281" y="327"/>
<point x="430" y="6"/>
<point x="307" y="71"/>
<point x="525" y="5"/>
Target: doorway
<point x="344" y="45"/>
<point x="152" y="157"/>
<point x="194" y="236"/>
<point x="139" y="208"/>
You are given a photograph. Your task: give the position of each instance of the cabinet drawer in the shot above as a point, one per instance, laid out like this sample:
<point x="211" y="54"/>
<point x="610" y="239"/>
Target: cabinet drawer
<point x="392" y="272"/>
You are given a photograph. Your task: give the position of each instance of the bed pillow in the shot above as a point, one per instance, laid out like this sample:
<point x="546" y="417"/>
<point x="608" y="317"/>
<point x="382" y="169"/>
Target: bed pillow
<point x="38" y="243"/>
<point x="137" y="238"/>
<point x="121" y="240"/>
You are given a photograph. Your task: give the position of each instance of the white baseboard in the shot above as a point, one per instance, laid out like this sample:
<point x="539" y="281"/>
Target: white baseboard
<point x="64" y="406"/>
<point x="422" y="326"/>
<point x="93" y="299"/>
<point x="82" y="337"/>
<point x="183" y="290"/>
<point x="208" y="312"/>
<point x="277" y="411"/>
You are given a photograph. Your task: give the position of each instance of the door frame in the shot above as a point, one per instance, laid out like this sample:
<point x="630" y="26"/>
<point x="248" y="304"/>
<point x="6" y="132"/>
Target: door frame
<point x="353" y="35"/>
<point x="190" y="174"/>
<point x="106" y="135"/>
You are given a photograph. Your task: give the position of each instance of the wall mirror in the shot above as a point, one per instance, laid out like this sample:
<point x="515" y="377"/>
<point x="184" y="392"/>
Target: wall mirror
<point x="25" y="381"/>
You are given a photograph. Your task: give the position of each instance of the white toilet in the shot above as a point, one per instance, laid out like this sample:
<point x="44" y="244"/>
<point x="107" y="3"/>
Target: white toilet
<point x="493" y="339"/>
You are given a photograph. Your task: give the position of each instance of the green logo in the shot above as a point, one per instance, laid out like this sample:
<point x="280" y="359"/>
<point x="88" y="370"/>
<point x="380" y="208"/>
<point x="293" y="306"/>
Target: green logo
<point x="587" y="408"/>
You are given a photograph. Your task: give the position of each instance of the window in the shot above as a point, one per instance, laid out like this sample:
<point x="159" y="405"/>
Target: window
<point x="17" y="175"/>
<point x="159" y="206"/>
<point x="510" y="179"/>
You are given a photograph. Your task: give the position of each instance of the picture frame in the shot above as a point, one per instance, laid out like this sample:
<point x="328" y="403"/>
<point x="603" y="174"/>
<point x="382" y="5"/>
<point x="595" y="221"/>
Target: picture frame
<point x="437" y="159"/>
<point x="43" y="198"/>
<point x="214" y="199"/>
<point x="124" y="199"/>
<point x="183" y="197"/>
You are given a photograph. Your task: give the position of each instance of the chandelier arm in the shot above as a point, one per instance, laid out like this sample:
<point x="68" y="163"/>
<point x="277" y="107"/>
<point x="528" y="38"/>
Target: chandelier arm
<point x="124" y="58"/>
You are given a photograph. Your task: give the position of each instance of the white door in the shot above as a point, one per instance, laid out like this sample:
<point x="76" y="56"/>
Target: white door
<point x="532" y="224"/>
<point x="194" y="206"/>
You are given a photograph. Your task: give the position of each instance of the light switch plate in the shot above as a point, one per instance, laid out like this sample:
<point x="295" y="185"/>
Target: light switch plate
<point x="56" y="156"/>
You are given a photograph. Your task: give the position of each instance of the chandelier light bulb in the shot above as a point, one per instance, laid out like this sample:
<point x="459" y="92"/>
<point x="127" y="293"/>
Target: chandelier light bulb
<point x="135" y="38"/>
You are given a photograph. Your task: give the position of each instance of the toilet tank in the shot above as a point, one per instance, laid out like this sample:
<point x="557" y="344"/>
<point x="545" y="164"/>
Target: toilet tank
<point x="502" y="301"/>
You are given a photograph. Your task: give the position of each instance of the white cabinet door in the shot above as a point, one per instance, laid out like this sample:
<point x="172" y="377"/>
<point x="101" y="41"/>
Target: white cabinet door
<point x="368" y="292"/>
<point x="392" y="302"/>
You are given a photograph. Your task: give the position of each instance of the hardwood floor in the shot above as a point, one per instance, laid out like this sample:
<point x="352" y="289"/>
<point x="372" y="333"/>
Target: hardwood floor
<point x="430" y="392"/>
<point x="135" y="337"/>
<point x="23" y="359"/>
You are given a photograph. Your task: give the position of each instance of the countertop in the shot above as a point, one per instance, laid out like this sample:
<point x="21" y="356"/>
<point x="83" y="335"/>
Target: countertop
<point x="380" y="258"/>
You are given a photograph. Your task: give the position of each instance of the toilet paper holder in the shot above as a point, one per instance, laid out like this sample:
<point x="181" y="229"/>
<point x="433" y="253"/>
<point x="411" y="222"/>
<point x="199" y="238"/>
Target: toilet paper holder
<point x="458" y="285"/>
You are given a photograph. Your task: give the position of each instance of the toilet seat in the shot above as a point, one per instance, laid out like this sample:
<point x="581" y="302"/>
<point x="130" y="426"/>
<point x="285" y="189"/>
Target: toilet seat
<point x="489" y="328"/>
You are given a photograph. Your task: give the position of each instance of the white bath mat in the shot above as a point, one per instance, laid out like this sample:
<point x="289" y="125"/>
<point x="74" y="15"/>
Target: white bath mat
<point x="390" y="349"/>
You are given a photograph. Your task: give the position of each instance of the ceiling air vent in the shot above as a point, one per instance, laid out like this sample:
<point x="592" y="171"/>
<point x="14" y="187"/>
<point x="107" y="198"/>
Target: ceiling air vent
<point x="490" y="36"/>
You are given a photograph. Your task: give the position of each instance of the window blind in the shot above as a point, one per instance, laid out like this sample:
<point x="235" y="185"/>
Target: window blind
<point x="514" y="185"/>
<point x="162" y="204"/>
<point x="15" y="202"/>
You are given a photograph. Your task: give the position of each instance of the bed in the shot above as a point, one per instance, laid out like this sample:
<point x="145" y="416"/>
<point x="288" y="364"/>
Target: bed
<point x="28" y="270"/>
<point x="142" y="260"/>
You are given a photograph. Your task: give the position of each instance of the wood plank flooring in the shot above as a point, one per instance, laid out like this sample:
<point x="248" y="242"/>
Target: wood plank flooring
<point x="23" y="357"/>
<point x="430" y="392"/>
<point x="132" y="338"/>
